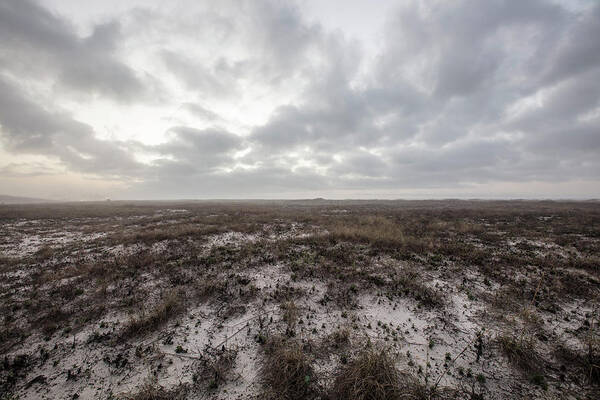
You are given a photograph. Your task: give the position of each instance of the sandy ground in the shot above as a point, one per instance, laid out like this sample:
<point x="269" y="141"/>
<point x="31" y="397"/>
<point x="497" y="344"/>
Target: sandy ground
<point x="454" y="345"/>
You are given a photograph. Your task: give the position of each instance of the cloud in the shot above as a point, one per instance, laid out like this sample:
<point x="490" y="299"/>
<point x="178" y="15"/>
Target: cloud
<point x="202" y="149"/>
<point x="217" y="81"/>
<point x="458" y="94"/>
<point x="30" y="128"/>
<point x="443" y="84"/>
<point x="201" y="112"/>
<point x="39" y="45"/>
<point x="576" y="51"/>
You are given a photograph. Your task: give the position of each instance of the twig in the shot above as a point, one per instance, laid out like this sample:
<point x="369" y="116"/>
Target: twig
<point x="193" y="357"/>
<point x="251" y="318"/>
<point x="242" y="328"/>
<point x="452" y="363"/>
<point x="229" y="337"/>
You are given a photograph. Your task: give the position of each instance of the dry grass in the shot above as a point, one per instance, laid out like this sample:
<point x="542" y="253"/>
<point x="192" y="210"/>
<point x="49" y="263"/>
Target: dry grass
<point x="153" y="391"/>
<point x="521" y="351"/>
<point x="340" y="337"/>
<point x="372" y="229"/>
<point x="170" y="307"/>
<point x="410" y="282"/>
<point x="501" y="254"/>
<point x="154" y="235"/>
<point x="373" y="375"/>
<point x="585" y="365"/>
<point x="591" y="361"/>
<point x="214" y="370"/>
<point x="290" y="315"/>
<point x="12" y="370"/>
<point x="287" y="373"/>
<point x="592" y="368"/>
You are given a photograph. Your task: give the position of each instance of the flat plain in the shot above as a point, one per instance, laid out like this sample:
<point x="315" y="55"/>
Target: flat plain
<point x="310" y="299"/>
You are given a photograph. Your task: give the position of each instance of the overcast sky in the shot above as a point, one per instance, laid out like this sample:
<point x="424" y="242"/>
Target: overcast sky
<point x="314" y="98"/>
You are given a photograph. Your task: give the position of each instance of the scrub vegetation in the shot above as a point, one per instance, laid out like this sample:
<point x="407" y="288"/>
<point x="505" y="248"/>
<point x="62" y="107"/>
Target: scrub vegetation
<point x="310" y="299"/>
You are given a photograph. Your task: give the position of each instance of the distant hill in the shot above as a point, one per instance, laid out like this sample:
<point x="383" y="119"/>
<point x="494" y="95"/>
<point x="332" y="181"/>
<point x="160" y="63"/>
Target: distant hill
<point x="4" y="199"/>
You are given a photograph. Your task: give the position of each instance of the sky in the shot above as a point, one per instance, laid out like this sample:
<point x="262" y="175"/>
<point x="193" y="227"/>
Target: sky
<point x="299" y="99"/>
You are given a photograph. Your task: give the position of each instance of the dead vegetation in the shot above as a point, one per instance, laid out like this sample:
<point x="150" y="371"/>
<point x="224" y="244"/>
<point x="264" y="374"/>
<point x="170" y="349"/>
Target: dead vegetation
<point x="371" y="375"/>
<point x="407" y="282"/>
<point x="153" y="391"/>
<point x="198" y="290"/>
<point x="169" y="307"/>
<point x="287" y="371"/>
<point x="340" y="338"/>
<point x="521" y="351"/>
<point x="214" y="369"/>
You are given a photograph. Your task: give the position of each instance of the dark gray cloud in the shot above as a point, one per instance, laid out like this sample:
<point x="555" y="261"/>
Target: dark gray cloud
<point x="269" y="44"/>
<point x="200" y="149"/>
<point x="41" y="45"/>
<point x="456" y="94"/>
<point x="445" y="82"/>
<point x="576" y="51"/>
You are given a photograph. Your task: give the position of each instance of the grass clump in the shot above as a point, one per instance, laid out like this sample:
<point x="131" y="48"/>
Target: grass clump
<point x="290" y="315"/>
<point x="373" y="229"/>
<point x="340" y="337"/>
<point x="215" y="369"/>
<point x="585" y="363"/>
<point x="521" y="352"/>
<point x="170" y="306"/>
<point x="287" y="373"/>
<point x="410" y="282"/>
<point x="371" y="376"/>
<point x="592" y="358"/>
